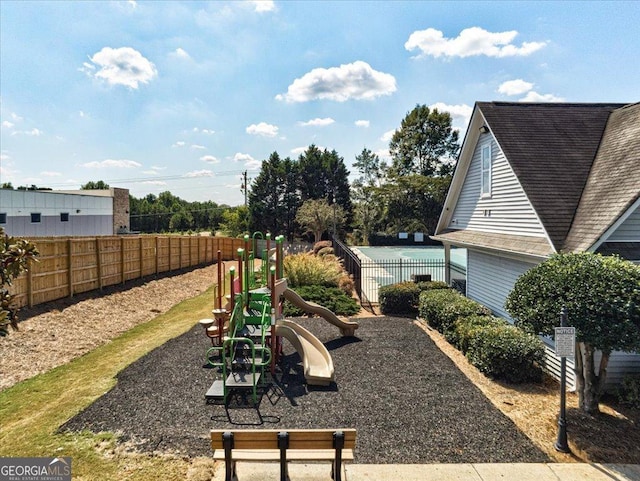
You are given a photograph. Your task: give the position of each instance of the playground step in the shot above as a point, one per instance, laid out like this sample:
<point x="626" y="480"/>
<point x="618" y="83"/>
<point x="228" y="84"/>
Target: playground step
<point x="242" y="380"/>
<point x="250" y="330"/>
<point x="216" y="391"/>
<point x="247" y="360"/>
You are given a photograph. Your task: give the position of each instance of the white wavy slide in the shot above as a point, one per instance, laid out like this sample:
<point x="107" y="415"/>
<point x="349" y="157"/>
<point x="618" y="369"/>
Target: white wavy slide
<point x="316" y="360"/>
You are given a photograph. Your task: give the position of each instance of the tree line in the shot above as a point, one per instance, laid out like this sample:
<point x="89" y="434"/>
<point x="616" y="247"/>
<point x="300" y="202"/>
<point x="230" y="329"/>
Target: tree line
<point x="311" y="196"/>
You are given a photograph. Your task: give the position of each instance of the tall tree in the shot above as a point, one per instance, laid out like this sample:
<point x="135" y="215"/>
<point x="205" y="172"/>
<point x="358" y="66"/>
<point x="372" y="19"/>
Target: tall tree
<point x="368" y="202"/>
<point x="414" y="202"/>
<point x="317" y="216"/>
<point x="324" y="175"/>
<point x="91" y="185"/>
<point x="273" y="198"/>
<point x="425" y="143"/>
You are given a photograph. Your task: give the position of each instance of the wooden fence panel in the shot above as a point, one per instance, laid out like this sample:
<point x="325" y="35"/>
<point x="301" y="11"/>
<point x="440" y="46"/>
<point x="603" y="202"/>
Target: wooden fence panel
<point x="68" y="266"/>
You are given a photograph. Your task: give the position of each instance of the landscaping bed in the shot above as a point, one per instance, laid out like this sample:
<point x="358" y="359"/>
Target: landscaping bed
<point x="408" y="401"/>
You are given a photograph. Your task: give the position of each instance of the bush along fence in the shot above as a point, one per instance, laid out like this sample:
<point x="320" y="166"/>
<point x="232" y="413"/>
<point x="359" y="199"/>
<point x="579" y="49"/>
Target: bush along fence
<point x="69" y="266"/>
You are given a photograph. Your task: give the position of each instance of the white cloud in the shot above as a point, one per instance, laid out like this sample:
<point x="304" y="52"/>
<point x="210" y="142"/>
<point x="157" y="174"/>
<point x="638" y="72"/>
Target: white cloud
<point x="533" y="96"/>
<point x="263" y="129"/>
<point x="383" y="153"/>
<point x="386" y="137"/>
<point x="249" y="162"/>
<point x="16" y="117"/>
<point x="298" y="150"/>
<point x="121" y="66"/>
<point x="199" y="173"/>
<point x="7" y="125"/>
<point x="362" y="123"/>
<point x="208" y="131"/>
<point x="47" y="173"/>
<point x="33" y="132"/>
<point x="181" y="53"/>
<point x="318" y="122"/>
<point x="198" y="147"/>
<point x="514" y="87"/>
<point x="154" y="182"/>
<point x="209" y="159"/>
<point x="179" y="143"/>
<point x="349" y="81"/>
<point x="120" y="164"/>
<point x="458" y="112"/>
<point x="263" y="5"/>
<point x="472" y="41"/>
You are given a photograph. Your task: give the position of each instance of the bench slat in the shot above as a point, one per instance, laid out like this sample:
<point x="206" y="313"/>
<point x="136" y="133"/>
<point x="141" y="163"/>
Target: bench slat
<point x="312" y="439"/>
<point x="292" y="455"/>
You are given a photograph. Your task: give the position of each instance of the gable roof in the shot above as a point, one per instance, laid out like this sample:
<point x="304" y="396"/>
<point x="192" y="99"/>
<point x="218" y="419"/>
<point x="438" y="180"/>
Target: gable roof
<point x="551" y="148"/>
<point x="614" y="176"/>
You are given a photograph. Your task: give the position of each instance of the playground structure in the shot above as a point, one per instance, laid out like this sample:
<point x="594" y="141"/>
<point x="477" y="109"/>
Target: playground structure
<point x="247" y="328"/>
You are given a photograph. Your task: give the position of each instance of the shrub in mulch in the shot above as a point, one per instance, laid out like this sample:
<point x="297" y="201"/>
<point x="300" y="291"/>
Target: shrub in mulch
<point x="402" y="298"/>
<point x="332" y="298"/>
<point x="506" y="352"/>
<point x="628" y="393"/>
<point x="440" y="308"/>
<point x="497" y="348"/>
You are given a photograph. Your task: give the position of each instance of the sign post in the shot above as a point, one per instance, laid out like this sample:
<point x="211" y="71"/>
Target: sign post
<point x="565" y="346"/>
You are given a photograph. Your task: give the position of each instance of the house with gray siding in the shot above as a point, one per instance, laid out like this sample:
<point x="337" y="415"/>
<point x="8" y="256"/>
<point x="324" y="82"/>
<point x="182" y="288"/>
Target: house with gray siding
<point x="534" y="179"/>
<point x="48" y="213"/>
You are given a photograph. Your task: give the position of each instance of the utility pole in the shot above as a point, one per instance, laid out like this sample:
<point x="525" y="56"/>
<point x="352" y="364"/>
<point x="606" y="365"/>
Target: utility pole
<point x="244" y="187"/>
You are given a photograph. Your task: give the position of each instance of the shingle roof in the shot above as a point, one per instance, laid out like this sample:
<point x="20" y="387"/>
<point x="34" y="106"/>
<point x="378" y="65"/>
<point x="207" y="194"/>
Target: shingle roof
<point x="534" y="246"/>
<point x="551" y="148"/>
<point x="614" y="182"/>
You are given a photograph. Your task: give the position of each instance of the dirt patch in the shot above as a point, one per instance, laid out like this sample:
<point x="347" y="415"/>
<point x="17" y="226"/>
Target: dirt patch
<point x="55" y="333"/>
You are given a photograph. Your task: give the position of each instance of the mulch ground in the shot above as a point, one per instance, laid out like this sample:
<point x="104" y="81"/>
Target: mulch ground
<point x="408" y="401"/>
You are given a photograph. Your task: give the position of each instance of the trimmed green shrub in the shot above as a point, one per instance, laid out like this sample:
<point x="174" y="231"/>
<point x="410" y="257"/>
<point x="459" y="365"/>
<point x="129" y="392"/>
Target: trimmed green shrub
<point x="402" y="298"/>
<point x="441" y="307"/>
<point x="466" y="328"/>
<point x="332" y="298"/>
<point x="628" y="392"/>
<point x="506" y="352"/>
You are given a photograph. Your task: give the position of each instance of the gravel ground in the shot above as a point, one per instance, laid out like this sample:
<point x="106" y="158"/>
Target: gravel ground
<point x="408" y="401"/>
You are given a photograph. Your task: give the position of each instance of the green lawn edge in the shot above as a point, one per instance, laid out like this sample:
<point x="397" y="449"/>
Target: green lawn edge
<point x="32" y="411"/>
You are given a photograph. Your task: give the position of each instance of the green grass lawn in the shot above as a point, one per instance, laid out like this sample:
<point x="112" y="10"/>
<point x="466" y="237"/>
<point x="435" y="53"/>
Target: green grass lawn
<point x="32" y="411"/>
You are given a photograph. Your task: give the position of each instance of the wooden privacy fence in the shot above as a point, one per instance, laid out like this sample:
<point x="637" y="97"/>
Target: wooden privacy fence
<point x="68" y="266"/>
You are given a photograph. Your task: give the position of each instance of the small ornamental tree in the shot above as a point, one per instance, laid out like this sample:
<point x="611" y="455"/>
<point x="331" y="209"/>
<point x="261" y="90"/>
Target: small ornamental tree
<point x="602" y="297"/>
<point x="15" y="255"/>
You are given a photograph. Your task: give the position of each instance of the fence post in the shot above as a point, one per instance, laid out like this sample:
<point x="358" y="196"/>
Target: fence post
<point x="157" y="255"/>
<point x="30" y="286"/>
<point x="122" y="259"/>
<point x="99" y="262"/>
<point x="141" y="258"/>
<point x="69" y="267"/>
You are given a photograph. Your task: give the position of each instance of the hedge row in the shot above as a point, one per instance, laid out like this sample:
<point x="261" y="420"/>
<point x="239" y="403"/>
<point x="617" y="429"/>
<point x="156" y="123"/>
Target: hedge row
<point x="402" y="298"/>
<point x="495" y="347"/>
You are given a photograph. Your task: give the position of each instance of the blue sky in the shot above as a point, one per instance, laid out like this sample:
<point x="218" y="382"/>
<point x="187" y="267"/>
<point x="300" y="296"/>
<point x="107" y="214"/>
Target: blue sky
<point x="186" y="96"/>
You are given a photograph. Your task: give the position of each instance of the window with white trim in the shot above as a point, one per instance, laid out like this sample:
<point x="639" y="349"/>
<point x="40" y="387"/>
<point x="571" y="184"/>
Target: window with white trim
<point x="64" y="217"/>
<point x="36" y="217"/>
<point x="485" y="170"/>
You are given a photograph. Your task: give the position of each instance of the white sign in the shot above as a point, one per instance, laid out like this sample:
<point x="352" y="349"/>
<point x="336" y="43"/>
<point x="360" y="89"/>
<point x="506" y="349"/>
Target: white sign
<point x="565" y="341"/>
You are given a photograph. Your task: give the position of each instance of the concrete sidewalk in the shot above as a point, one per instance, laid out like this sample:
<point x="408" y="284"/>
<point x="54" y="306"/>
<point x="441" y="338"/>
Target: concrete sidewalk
<point x="440" y="472"/>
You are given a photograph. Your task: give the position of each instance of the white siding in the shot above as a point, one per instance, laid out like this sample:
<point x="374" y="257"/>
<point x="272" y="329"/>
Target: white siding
<point x="629" y="230"/>
<point x="507" y="211"/>
<point x="490" y="279"/>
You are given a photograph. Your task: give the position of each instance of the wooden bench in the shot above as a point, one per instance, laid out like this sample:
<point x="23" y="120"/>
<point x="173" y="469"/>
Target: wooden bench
<point x="283" y="445"/>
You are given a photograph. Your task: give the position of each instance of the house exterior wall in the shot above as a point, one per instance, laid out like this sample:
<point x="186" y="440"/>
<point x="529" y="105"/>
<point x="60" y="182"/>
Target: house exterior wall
<point x="506" y="211"/>
<point x="490" y="278"/>
<point x="88" y="215"/>
<point x="629" y="230"/>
